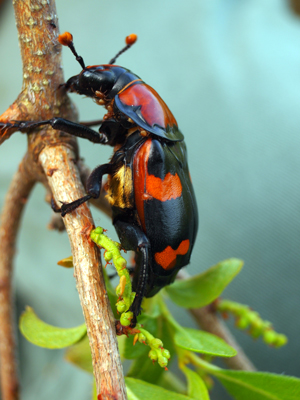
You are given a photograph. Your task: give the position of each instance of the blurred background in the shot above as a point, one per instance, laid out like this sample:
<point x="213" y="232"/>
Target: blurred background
<point x="230" y="72"/>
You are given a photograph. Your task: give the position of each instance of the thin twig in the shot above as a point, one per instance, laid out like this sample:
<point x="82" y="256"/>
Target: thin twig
<point x="90" y="284"/>
<point x="207" y="319"/>
<point x="295" y="4"/>
<point x="15" y="201"/>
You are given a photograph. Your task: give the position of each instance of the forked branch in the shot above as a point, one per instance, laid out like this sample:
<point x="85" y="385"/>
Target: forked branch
<point x="53" y="157"/>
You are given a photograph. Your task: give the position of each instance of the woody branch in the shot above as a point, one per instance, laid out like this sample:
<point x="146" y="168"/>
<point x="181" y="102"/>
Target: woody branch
<point x="53" y="157"/>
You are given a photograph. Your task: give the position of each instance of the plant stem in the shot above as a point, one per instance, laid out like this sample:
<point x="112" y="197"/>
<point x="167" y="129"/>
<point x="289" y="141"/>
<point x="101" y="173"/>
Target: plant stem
<point x="15" y="201"/>
<point x="207" y="320"/>
<point x="88" y="274"/>
<point x="199" y="362"/>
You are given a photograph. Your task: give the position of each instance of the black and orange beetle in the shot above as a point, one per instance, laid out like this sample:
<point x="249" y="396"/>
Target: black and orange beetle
<point x="149" y="186"/>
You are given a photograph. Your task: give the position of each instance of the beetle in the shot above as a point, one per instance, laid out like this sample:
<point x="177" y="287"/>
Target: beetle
<point x="149" y="186"/>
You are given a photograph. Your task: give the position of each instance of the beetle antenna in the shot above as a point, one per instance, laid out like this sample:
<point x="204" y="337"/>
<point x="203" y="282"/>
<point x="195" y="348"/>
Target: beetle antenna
<point x="130" y="40"/>
<point x="66" y="39"/>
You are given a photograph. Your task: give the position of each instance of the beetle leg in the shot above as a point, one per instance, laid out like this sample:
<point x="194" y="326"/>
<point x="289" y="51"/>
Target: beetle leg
<point x="140" y="288"/>
<point x="62" y="124"/>
<point x="93" y="188"/>
<point x="94" y="182"/>
<point x="54" y="206"/>
<point x="91" y="123"/>
<point x="112" y="130"/>
<point x="133" y="238"/>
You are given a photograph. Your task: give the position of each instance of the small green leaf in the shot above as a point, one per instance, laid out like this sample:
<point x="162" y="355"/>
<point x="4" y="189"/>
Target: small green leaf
<point x="80" y="355"/>
<point x="204" y="288"/>
<point x="66" y="262"/>
<point x="259" y="385"/>
<point x="203" y="342"/>
<point x="139" y="390"/>
<point x="41" y="334"/>
<point x="196" y="387"/>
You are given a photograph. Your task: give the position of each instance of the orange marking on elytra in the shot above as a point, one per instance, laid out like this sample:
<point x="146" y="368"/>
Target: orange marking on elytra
<point x="147" y="187"/>
<point x="164" y="189"/>
<point x="140" y="170"/>
<point x="167" y="258"/>
<point x="153" y="109"/>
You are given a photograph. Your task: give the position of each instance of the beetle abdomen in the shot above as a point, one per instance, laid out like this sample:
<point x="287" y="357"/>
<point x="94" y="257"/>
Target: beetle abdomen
<point x="165" y="203"/>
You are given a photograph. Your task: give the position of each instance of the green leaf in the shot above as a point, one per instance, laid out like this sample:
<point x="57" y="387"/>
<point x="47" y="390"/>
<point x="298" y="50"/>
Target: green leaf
<point x="196" y="387"/>
<point x="170" y="381"/>
<point x="66" y="262"/>
<point x="203" y="342"/>
<point x="151" y="306"/>
<point x="259" y="385"/>
<point x="139" y="390"/>
<point x="204" y="288"/>
<point x="41" y="334"/>
<point x="80" y="355"/>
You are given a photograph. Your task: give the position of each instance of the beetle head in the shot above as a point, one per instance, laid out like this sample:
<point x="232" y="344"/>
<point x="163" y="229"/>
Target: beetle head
<point x="99" y="78"/>
<point x="92" y="79"/>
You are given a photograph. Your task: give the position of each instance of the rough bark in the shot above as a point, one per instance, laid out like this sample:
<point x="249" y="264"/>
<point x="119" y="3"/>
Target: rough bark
<point x="53" y="157"/>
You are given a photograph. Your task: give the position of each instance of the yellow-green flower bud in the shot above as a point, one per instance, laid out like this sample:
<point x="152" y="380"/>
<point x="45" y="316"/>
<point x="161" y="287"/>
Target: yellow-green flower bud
<point x="126" y="318"/>
<point x="152" y="355"/>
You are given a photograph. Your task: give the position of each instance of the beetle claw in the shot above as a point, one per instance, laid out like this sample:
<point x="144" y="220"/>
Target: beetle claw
<point x="54" y="206"/>
<point x="5" y="126"/>
<point x="22" y="126"/>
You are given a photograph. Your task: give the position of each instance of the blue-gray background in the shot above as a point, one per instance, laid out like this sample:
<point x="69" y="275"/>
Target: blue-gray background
<point x="230" y="72"/>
